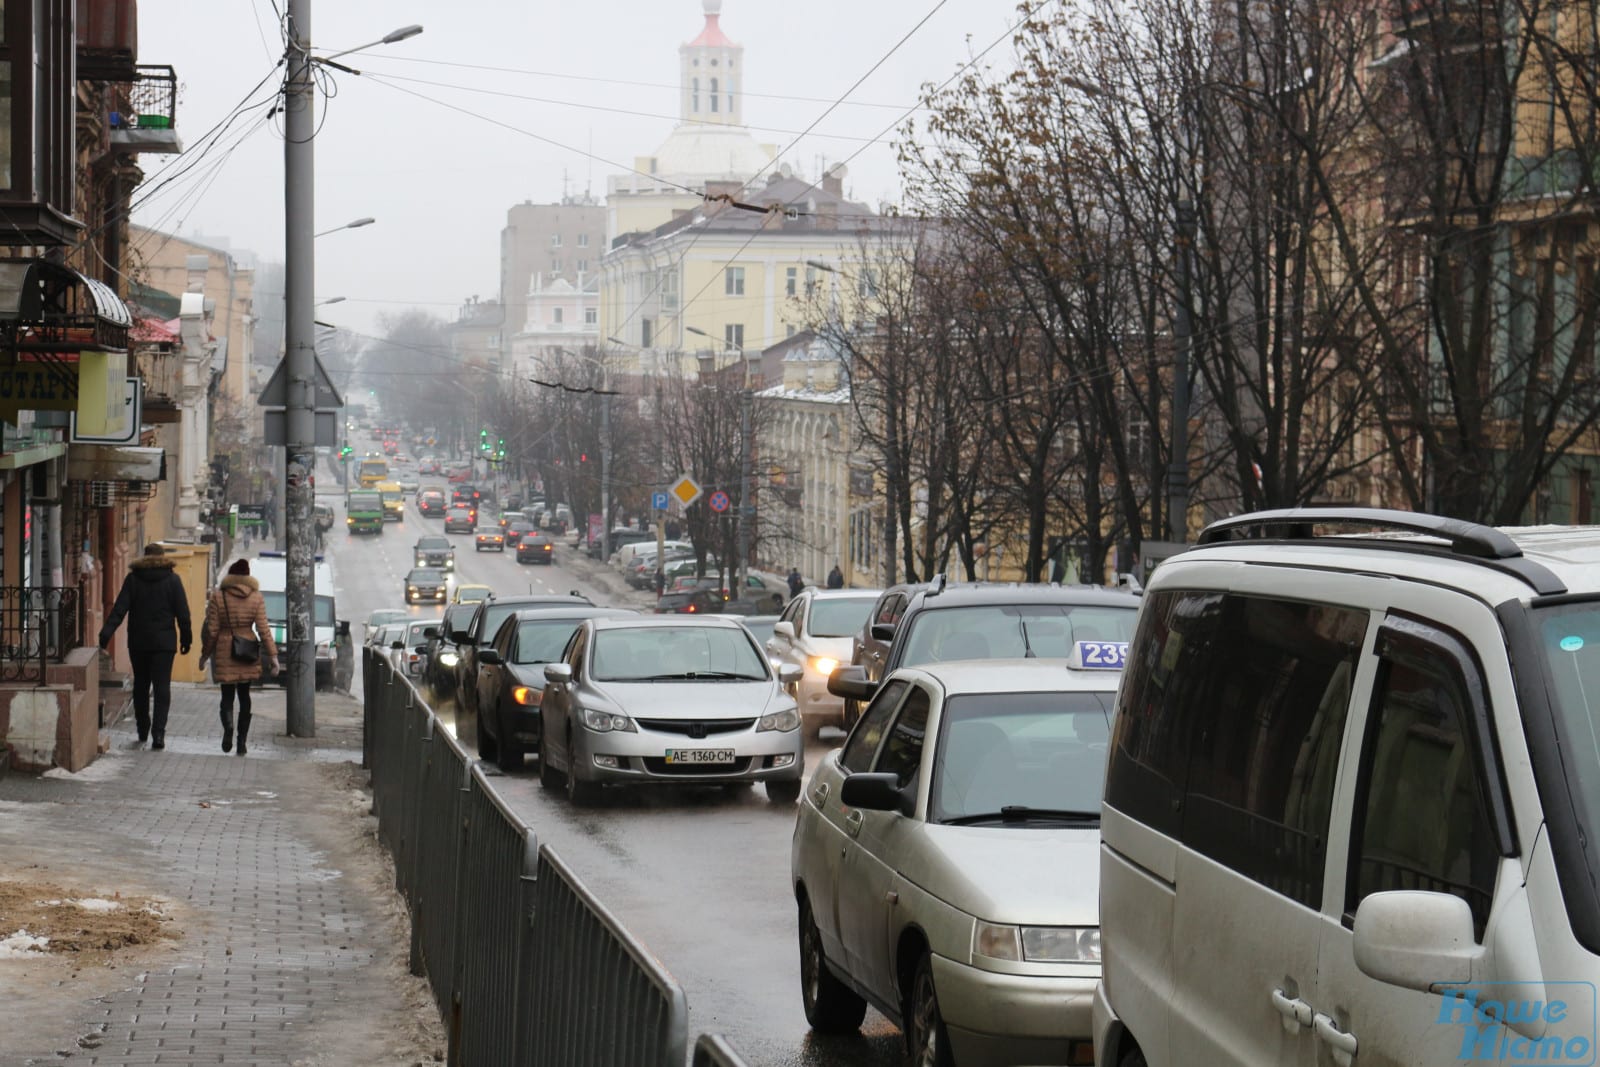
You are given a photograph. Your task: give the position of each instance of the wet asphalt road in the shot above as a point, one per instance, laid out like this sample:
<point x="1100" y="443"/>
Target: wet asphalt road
<point x="701" y="876"/>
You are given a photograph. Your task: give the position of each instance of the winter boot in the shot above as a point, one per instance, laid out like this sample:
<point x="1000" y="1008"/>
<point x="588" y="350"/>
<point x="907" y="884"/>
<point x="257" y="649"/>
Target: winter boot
<point x="244" y="730"/>
<point x="227" y="729"/>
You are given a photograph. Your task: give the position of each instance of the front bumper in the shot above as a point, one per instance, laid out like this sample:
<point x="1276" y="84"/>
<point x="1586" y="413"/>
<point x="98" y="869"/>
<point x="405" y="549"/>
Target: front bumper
<point x="423" y="596"/>
<point x="764" y="756"/>
<point x="997" y="1020"/>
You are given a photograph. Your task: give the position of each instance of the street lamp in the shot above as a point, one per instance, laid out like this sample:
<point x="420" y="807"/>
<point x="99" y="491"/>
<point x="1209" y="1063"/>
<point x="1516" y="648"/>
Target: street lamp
<point x="741" y="528"/>
<point x="392" y="37"/>
<point x="330" y="300"/>
<point x="354" y="224"/>
<point x="299" y="360"/>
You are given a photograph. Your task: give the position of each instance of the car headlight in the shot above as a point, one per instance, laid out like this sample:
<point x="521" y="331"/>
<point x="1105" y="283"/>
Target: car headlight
<point x="823" y="665"/>
<point x="787" y="719"/>
<point x="449" y="659"/>
<point x="422" y="561"/>
<point x="411" y="589"/>
<point x="527" y="695"/>
<point x="1037" y="944"/>
<point x="605" y="722"/>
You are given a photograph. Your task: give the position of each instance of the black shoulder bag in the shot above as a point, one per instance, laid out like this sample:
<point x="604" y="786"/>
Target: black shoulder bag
<point x="240" y="649"/>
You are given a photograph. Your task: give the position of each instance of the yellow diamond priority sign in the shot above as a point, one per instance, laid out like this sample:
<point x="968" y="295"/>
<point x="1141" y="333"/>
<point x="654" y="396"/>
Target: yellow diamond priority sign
<point x="687" y="490"/>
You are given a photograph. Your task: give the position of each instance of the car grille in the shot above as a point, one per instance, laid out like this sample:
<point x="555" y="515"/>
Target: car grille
<point x="697" y="727"/>
<point x="659" y="765"/>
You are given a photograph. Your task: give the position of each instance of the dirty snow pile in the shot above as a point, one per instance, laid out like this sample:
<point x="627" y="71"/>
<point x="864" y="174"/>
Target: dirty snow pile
<point x="21" y="944"/>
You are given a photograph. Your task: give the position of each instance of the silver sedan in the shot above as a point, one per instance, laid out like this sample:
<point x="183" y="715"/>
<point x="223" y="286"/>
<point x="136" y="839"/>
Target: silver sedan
<point x="668" y="699"/>
<point x="946" y="863"/>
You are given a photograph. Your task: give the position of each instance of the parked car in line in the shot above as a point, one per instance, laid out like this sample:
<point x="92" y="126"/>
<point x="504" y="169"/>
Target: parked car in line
<point x="440" y="671"/>
<point x="945" y="867"/>
<point x="480" y="629"/>
<point x="1353" y="770"/>
<point x="511" y="677"/>
<point x="626" y="552"/>
<point x="460" y="520"/>
<point x="426" y="585"/>
<point x="938" y="622"/>
<point x="413" y="657"/>
<point x="814" y="633"/>
<point x="434" y="551"/>
<point x="650" y="700"/>
<point x="378" y="619"/>
<point x="489" y="537"/>
<point x="640" y="571"/>
<point x="621" y="536"/>
<point x="536" y="548"/>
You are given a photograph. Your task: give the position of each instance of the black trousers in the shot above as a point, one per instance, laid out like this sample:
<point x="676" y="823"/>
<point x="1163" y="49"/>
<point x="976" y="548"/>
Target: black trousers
<point x="152" y="670"/>
<point x="243" y="691"/>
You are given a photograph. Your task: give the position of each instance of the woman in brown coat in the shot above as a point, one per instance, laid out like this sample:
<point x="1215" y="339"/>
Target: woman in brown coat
<point x="236" y="608"/>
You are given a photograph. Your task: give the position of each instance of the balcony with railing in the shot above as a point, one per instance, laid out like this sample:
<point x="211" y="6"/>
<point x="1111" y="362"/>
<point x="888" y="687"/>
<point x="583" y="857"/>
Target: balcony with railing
<point x="108" y="40"/>
<point x="147" y="120"/>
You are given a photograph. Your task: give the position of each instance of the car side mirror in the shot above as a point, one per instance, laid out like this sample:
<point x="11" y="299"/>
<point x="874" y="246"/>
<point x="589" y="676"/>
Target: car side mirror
<point x="784" y="629"/>
<point x="489" y="656"/>
<point x="558" y="673"/>
<point x="851" y="683"/>
<point x="883" y="631"/>
<point x="791" y="673"/>
<point x="1415" y="939"/>
<point x="874" y="792"/>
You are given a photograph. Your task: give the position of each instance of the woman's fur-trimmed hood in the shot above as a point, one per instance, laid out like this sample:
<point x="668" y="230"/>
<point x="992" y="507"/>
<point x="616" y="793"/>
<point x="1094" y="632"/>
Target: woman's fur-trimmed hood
<point x="153" y="563"/>
<point x="240" y="585"/>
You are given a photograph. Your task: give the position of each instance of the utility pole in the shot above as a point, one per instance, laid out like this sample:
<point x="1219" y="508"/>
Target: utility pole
<point x="299" y="202"/>
<point x="605" y="461"/>
<point x="1182" y="331"/>
<point x="742" y="520"/>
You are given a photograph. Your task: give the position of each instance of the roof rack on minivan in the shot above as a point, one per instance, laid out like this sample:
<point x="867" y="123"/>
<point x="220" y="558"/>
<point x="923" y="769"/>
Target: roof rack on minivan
<point x="1469" y="541"/>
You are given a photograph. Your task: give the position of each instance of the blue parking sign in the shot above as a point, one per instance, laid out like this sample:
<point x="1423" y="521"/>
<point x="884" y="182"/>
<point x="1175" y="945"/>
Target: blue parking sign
<point x="658" y="501"/>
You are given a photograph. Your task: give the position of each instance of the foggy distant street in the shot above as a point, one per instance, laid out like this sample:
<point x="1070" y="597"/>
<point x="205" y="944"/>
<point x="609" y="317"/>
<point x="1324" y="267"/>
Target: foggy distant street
<point x="701" y="876"/>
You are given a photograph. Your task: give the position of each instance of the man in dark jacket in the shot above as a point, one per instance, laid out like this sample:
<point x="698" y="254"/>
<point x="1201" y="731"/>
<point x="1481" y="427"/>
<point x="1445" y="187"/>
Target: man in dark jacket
<point x="152" y="600"/>
<point x="836" y="578"/>
<point x="796" y="583"/>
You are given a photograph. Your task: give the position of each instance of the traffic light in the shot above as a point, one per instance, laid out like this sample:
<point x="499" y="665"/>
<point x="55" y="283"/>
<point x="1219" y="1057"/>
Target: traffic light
<point x="483" y="440"/>
<point x="346" y="451"/>
<point x="500" y="449"/>
<point x="583" y="457"/>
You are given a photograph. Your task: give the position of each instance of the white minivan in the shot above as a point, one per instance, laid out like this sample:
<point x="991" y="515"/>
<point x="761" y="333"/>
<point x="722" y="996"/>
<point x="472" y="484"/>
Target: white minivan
<point x="335" y="655"/>
<point x="1352" y="804"/>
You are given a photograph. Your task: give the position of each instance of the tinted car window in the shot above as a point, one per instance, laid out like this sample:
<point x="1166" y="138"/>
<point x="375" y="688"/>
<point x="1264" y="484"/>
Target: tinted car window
<point x="1421" y="818"/>
<point x="902" y="750"/>
<point x="639" y="653"/>
<point x="1036" y="750"/>
<point x="862" y="744"/>
<point x="543" y="640"/>
<point x="441" y="543"/>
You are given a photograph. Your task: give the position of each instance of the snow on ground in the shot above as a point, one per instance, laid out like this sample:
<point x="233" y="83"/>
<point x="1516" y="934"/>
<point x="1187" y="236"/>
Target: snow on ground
<point x="21" y="944"/>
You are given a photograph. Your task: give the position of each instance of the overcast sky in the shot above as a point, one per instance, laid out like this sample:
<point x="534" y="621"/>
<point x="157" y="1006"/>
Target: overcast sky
<point x="439" y="181"/>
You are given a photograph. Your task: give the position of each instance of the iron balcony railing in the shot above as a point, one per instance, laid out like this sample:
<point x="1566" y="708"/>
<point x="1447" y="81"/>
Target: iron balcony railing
<point x="38" y="625"/>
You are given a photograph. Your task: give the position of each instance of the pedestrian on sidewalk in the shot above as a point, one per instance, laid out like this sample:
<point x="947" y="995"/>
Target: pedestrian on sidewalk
<point x="796" y="583"/>
<point x="236" y="610"/>
<point x="836" y="578"/>
<point x="152" y="600"/>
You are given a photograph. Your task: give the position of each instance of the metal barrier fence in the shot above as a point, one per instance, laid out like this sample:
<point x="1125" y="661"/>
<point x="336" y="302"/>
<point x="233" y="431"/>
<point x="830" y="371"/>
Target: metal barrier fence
<point x="527" y="966"/>
<point x="713" y="1050"/>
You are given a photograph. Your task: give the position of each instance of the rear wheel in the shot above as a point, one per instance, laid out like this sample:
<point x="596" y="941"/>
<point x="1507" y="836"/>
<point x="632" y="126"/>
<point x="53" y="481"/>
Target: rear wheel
<point x="831" y="1006"/>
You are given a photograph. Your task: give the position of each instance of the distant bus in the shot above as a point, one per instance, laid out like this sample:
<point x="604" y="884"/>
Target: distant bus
<point x="371" y="472"/>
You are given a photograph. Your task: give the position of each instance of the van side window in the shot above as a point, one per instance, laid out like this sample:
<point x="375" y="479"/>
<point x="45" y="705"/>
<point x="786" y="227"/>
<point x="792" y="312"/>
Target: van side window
<point x="1421" y="820"/>
<point x="862" y="744"/>
<point x="1147" y="771"/>
<point x="1269" y="717"/>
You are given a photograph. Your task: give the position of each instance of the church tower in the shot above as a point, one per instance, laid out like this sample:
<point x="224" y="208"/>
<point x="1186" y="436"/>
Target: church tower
<point x="711" y="71"/>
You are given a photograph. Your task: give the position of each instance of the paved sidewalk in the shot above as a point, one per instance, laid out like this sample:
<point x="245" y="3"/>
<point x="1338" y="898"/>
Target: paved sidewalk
<point x="290" y="943"/>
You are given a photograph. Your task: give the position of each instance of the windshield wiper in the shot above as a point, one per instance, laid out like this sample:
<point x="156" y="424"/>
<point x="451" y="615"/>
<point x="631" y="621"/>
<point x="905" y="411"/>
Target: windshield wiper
<point x="695" y="676"/>
<point x="1023" y="813"/>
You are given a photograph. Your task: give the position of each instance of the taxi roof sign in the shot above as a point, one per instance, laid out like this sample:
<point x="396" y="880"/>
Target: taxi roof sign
<point x="686" y="490"/>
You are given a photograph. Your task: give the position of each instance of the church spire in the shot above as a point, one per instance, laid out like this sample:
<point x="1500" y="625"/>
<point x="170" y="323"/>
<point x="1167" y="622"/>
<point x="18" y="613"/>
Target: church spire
<point x="711" y="74"/>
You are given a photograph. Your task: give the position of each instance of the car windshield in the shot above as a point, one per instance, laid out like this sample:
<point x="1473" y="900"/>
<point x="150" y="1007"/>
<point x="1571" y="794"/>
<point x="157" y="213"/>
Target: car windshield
<point x="690" y="653"/>
<point x="1569" y="638"/>
<point x="434" y="544"/>
<point x="416" y="636"/>
<point x="838" y="616"/>
<point x="543" y="640"/>
<point x="761" y="629"/>
<point x="424" y="575"/>
<point x="1004" y="754"/>
<point x="277" y="612"/>
<point x="1010" y="631"/>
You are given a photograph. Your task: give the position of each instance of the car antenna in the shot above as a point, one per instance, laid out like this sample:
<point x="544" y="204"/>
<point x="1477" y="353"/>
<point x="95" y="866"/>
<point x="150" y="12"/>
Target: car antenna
<point x="1028" y="652"/>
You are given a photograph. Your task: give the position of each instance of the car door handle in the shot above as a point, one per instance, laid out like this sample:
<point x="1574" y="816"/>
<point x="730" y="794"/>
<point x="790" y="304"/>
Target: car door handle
<point x="1296" y="1012"/>
<point x="1341" y="1043"/>
<point x="819" y="794"/>
<point x="852" y="822"/>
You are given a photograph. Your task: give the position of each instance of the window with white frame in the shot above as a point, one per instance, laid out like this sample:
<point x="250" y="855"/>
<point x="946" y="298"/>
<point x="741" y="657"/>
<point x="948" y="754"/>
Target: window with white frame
<point x="791" y="281"/>
<point x="694" y="93"/>
<point x="583" y="264"/>
<point x="733" y="281"/>
<point x="714" y="97"/>
<point x="591" y="316"/>
<point x="555" y="315"/>
<point x="555" y="240"/>
<point x="555" y="265"/>
<point x="583" y="240"/>
<point x="733" y="335"/>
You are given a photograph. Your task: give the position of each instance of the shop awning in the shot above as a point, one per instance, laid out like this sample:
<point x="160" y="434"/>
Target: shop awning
<point x="48" y="308"/>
